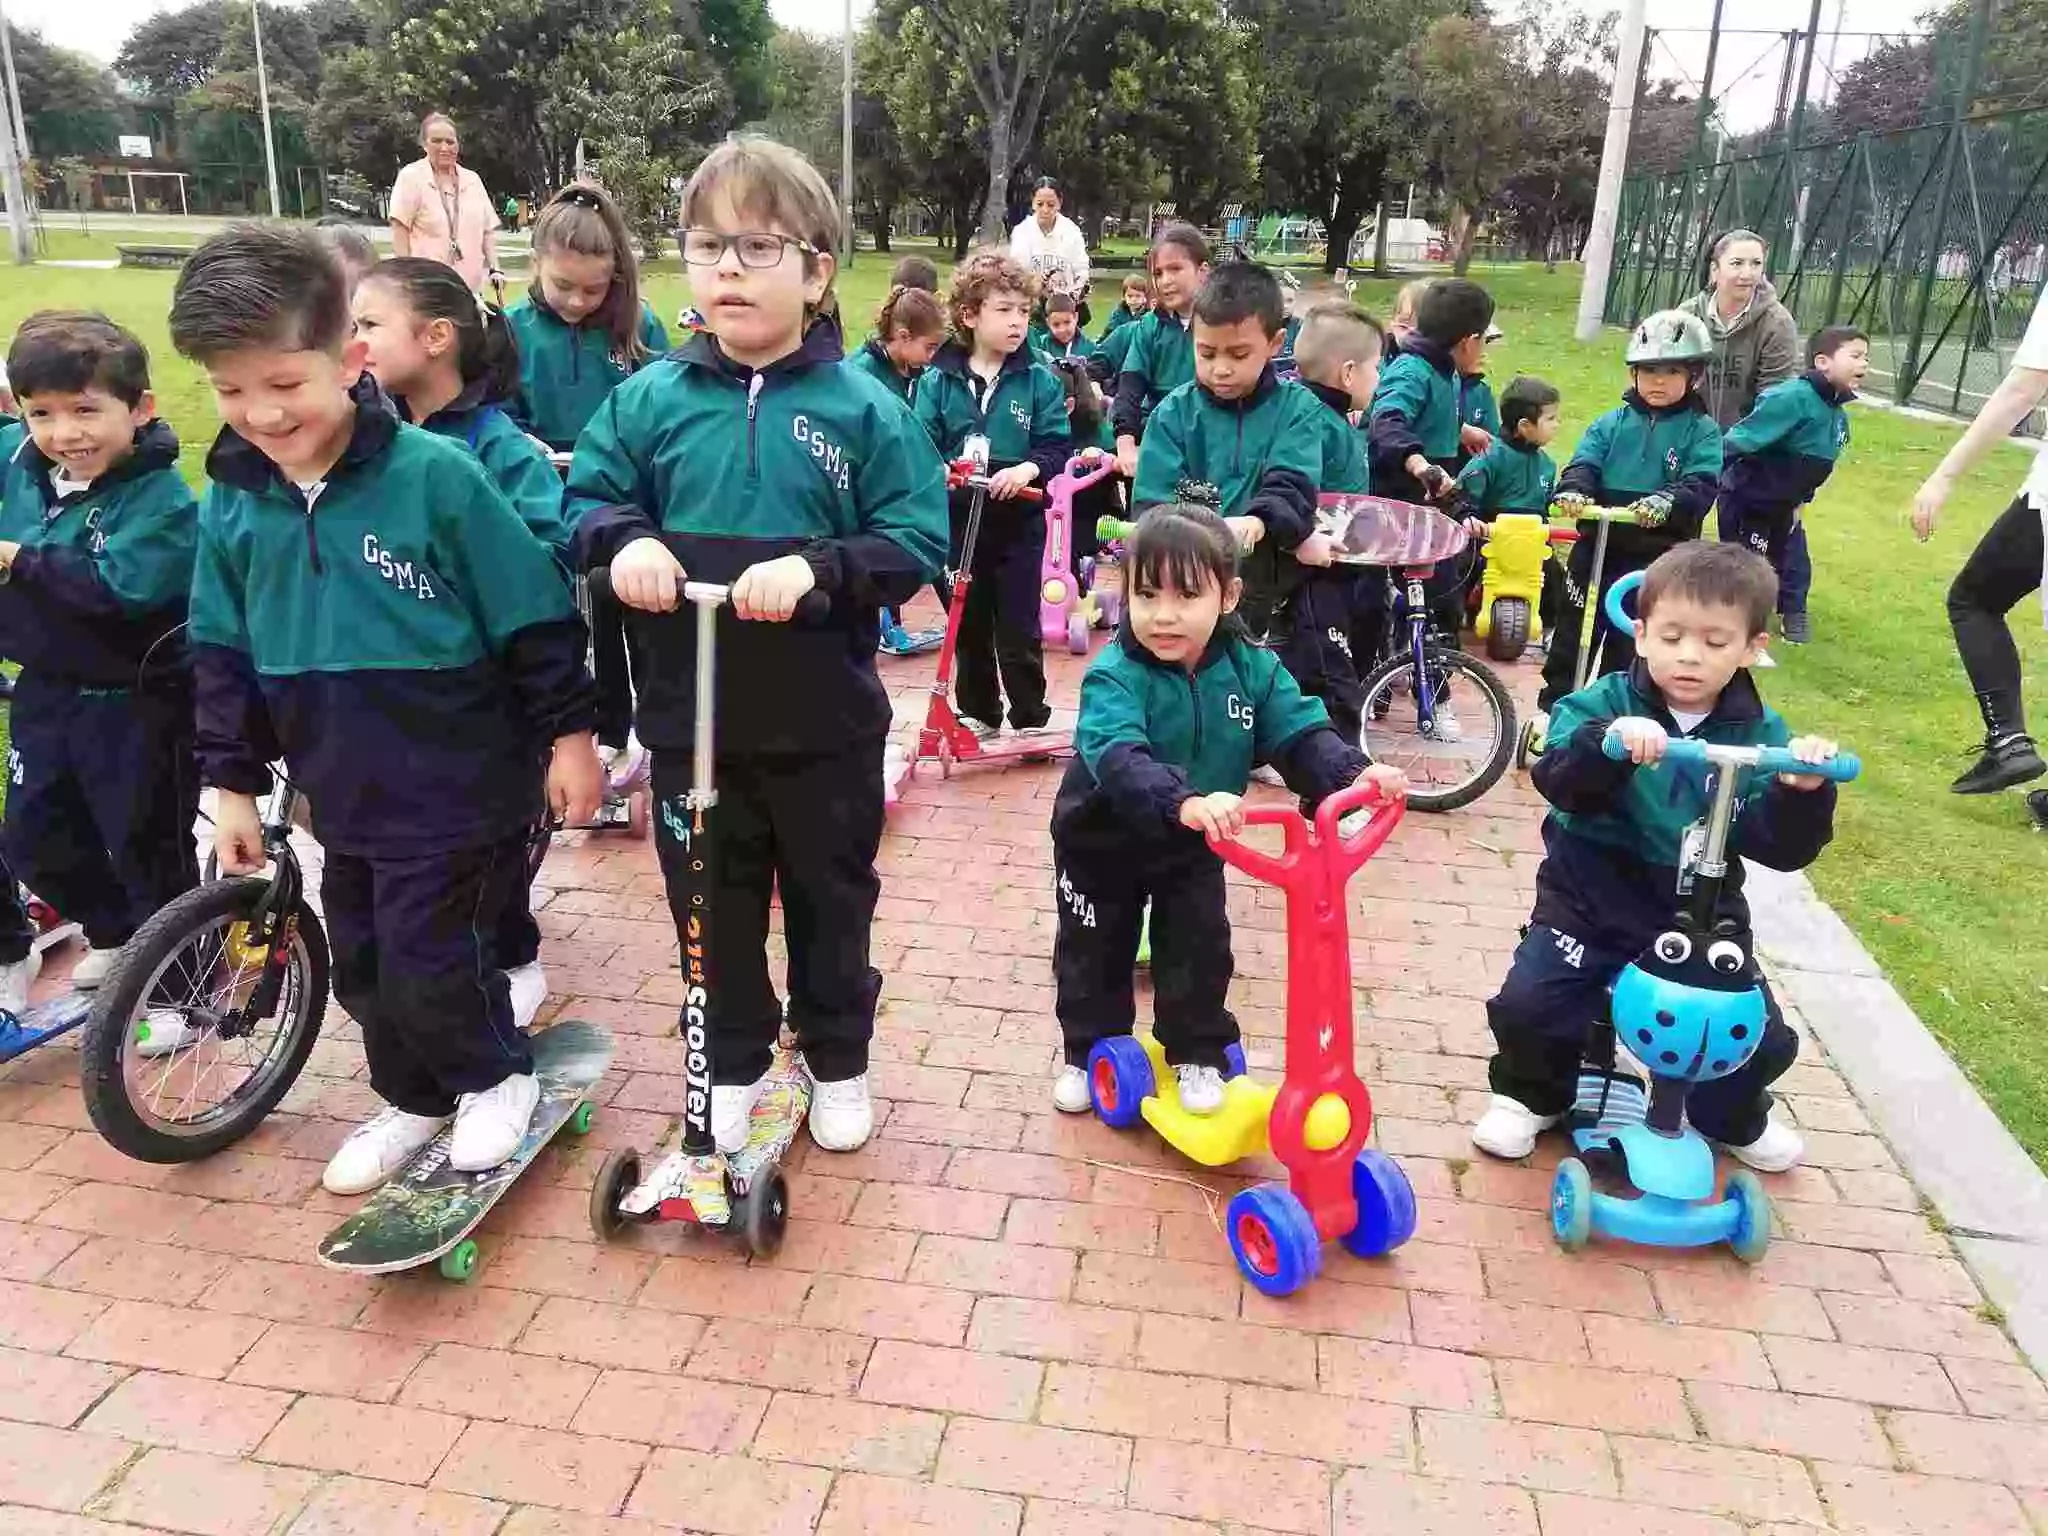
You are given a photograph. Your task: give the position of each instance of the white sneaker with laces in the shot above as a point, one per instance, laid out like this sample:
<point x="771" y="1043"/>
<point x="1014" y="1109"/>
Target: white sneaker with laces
<point x="374" y="1152"/>
<point x="842" y="1114"/>
<point x="624" y="769"/>
<point x="1444" y="724"/>
<point x="1201" y="1088"/>
<point x="1778" y="1149"/>
<point x="1509" y="1128"/>
<point x="1070" y="1091"/>
<point x="17" y="981"/>
<point x="162" y="1031"/>
<point x="981" y="728"/>
<point x="92" y="969"/>
<point x="489" y="1125"/>
<point x="732" y="1111"/>
<point x="529" y="987"/>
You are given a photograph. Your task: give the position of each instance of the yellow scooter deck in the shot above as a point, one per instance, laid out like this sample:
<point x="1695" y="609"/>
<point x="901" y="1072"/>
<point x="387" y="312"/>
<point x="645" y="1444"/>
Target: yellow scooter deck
<point x="1236" y="1131"/>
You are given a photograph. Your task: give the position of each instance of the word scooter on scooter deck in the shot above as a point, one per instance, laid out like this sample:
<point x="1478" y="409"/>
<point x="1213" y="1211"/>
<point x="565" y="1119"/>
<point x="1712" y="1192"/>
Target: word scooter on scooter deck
<point x="1317" y="1119"/>
<point x="1691" y="1009"/>
<point x="744" y="1193"/>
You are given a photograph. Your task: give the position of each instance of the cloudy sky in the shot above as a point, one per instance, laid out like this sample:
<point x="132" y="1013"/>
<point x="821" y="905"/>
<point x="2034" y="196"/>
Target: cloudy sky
<point x="1749" y="57"/>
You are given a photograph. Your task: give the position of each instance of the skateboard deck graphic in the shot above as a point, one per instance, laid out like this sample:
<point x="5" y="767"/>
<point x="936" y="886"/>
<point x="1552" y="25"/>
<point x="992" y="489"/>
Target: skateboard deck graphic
<point x="1375" y="530"/>
<point x="42" y="1021"/>
<point x="703" y="1182"/>
<point x="429" y="1207"/>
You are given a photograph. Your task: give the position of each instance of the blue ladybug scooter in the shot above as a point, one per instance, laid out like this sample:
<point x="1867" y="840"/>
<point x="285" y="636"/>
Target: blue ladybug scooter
<point x="1691" y="1009"/>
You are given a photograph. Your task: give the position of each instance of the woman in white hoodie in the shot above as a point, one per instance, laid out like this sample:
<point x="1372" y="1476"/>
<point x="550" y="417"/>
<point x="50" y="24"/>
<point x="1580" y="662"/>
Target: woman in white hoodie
<point x="1050" y="244"/>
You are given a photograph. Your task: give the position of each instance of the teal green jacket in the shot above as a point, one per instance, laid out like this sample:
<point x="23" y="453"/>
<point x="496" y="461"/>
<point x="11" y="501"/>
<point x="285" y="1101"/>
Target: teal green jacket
<point x="873" y="361"/>
<point x="1784" y="450"/>
<point x="1344" y="470"/>
<point x="1414" y="410"/>
<point x="731" y="466"/>
<point x="1261" y="456"/>
<point x="1023" y="413"/>
<point x="1161" y="359"/>
<point x="1476" y="404"/>
<point x="1111" y="353"/>
<point x="1151" y="735"/>
<point x="1635" y="450"/>
<point x="97" y="593"/>
<point x="1509" y="477"/>
<point x="398" y="637"/>
<point x="565" y="371"/>
<point x="516" y="463"/>
<point x="1080" y="348"/>
<point x="1118" y="319"/>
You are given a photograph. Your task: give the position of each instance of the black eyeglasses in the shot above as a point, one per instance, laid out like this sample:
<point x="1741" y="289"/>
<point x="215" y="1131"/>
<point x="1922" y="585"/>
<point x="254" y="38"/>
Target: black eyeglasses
<point x="757" y="249"/>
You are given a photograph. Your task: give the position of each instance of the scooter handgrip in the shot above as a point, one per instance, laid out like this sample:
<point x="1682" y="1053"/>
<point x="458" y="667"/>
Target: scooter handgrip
<point x="1109" y="527"/>
<point x="812" y="609"/>
<point x="1684" y="750"/>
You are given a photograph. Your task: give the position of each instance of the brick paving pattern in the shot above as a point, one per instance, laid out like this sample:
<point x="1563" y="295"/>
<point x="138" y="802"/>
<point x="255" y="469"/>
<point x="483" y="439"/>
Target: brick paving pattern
<point x="995" y="1319"/>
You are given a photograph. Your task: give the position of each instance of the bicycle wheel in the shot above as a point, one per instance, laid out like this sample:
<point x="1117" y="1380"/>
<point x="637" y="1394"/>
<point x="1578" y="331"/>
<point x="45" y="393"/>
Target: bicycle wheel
<point x="192" y="965"/>
<point x="1449" y="761"/>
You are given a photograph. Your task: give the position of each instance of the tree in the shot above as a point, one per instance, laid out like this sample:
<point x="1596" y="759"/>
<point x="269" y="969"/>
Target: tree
<point x="804" y="109"/>
<point x="1665" y="129"/>
<point x="358" y="122"/>
<point x="68" y="102"/>
<point x="937" y="119"/>
<point x="174" y="52"/>
<point x="1560" y="119"/>
<point x="1457" y="88"/>
<point x="882" y="175"/>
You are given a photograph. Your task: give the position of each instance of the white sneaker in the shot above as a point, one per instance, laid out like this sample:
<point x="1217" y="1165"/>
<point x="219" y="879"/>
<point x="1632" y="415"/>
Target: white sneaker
<point x="162" y="1031"/>
<point x="1266" y="773"/>
<point x="1779" y="1148"/>
<point x="92" y="969"/>
<point x="981" y="728"/>
<point x="17" y="981"/>
<point x="842" y="1114"/>
<point x="1509" y="1129"/>
<point x="1201" y="1088"/>
<point x="1444" y="724"/>
<point x="732" y="1111"/>
<point x="623" y="772"/>
<point x="374" y="1152"/>
<point x="529" y="987"/>
<point x="1070" y="1091"/>
<point x="607" y="759"/>
<point x="490" y="1124"/>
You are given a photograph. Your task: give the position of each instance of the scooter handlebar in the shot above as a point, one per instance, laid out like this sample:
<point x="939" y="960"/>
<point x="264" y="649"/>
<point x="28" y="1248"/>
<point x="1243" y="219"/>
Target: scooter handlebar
<point x="1688" y="752"/>
<point x="1592" y="514"/>
<point x="813" y="608"/>
<point x="966" y="474"/>
<point x="1352" y="851"/>
<point x="1109" y="527"/>
<point x="1084" y="472"/>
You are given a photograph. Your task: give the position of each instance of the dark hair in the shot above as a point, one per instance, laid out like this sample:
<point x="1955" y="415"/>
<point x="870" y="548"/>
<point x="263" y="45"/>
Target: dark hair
<point x="1524" y="400"/>
<point x="1726" y="575"/>
<point x="1045" y="184"/>
<point x="484" y="346"/>
<point x="911" y="309"/>
<point x="68" y="351"/>
<point x="1242" y="290"/>
<point x="915" y="272"/>
<point x="1086" y="399"/>
<point x="1188" y="239"/>
<point x="1830" y="339"/>
<point x="267" y="286"/>
<point x="1061" y="304"/>
<point x="1181" y="545"/>
<point x="581" y="220"/>
<point x="349" y="244"/>
<point x="1452" y="308"/>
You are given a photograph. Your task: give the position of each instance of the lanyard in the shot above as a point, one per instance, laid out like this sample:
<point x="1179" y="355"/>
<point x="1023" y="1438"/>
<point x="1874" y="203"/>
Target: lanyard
<point x="452" y="213"/>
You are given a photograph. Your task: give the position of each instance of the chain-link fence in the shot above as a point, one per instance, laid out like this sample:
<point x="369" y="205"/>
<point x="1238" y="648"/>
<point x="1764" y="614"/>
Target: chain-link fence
<point x="1932" y="239"/>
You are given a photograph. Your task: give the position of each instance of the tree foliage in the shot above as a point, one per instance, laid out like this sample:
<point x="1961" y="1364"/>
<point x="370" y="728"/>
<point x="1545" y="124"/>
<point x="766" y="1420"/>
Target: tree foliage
<point x="940" y="133"/>
<point x="1560" y="110"/>
<point x="1456" y="88"/>
<point x="68" y="102"/>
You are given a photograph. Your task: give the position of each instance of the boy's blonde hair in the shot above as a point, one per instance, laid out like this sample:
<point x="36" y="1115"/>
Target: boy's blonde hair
<point x="1139" y="281"/>
<point x="981" y="276"/>
<point x="1408" y="296"/>
<point x="768" y="185"/>
<point x="1333" y="333"/>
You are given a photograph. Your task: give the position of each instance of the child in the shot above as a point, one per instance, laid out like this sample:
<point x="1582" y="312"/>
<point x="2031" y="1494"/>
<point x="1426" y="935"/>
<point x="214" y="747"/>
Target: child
<point x="1061" y="336"/>
<point x="1255" y="443"/>
<point x="1514" y="474"/>
<point x="1088" y="424"/>
<point x="915" y="272"/>
<point x="1614" y="875"/>
<point x="96" y="540"/>
<point x="1133" y="307"/>
<point x="1783" y="451"/>
<point x="10" y="411"/>
<point x="1174" y="712"/>
<point x="582" y="331"/>
<point x="984" y="382"/>
<point x="909" y="327"/>
<point x="450" y="363"/>
<point x="1401" y="324"/>
<point x="368" y="606"/>
<point x="782" y="473"/>
<point x="351" y="247"/>
<point x="1413" y="428"/>
<point x="1161" y="355"/>
<point x="1658" y="450"/>
<point x="1478" y="411"/>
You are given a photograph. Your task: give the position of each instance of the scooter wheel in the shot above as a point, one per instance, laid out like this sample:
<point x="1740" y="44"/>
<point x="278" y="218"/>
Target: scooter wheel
<point x="1571" y="1205"/>
<point x="1233" y="1061"/>
<point x="1077" y="632"/>
<point x="1386" y="1205"/>
<point x="640" y="813"/>
<point x="1752" y="1234"/>
<point x="1526" y="745"/>
<point x="1273" y="1238"/>
<point x="616" y="1178"/>
<point x="1119" y="1080"/>
<point x="1508" y="635"/>
<point x="763" y="1212"/>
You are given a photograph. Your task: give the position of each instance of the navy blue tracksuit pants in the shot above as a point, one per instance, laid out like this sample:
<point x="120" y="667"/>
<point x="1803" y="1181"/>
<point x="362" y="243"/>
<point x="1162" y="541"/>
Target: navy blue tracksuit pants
<point x="1000" y="649"/>
<point x="1543" y="1018"/>
<point x="102" y="793"/>
<point x="1313" y="634"/>
<point x="1780" y="537"/>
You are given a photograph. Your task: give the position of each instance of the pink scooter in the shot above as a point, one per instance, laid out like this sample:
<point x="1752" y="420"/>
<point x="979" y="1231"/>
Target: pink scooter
<point x="1062" y="615"/>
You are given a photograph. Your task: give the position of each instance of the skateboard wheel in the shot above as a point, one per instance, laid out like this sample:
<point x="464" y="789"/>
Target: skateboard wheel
<point x="459" y="1263"/>
<point x="764" y="1211"/>
<point x="1386" y="1205"/>
<point x="1119" y="1080"/>
<point x="616" y="1178"/>
<point x="1274" y="1239"/>
<point x="1571" y="1205"/>
<point x="1752" y="1234"/>
<point x="639" y="813"/>
<point x="580" y="1122"/>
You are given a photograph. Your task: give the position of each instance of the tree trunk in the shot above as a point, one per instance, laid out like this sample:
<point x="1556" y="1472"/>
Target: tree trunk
<point x="999" y="131"/>
<point x="1344" y="221"/>
<point x="1464" y="237"/>
<point x="879" y="207"/>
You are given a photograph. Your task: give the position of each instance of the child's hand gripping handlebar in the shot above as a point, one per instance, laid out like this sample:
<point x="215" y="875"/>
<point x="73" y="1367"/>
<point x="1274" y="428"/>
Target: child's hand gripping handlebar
<point x="968" y="474"/>
<point x="1083" y="471"/>
<point x="1690" y="752"/>
<point x="1349" y="852"/>
<point x="814" y="607"/>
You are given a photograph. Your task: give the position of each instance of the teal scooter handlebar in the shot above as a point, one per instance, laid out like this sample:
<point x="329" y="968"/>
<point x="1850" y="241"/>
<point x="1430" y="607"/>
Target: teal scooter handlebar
<point x="1685" y="750"/>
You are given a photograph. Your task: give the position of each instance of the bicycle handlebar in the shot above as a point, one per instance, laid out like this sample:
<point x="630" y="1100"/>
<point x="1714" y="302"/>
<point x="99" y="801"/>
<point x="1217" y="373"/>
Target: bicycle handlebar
<point x="1687" y="751"/>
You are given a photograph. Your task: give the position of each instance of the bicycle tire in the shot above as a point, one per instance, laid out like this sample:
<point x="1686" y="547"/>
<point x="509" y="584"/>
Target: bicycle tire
<point x="103" y="1049"/>
<point x="1425" y="797"/>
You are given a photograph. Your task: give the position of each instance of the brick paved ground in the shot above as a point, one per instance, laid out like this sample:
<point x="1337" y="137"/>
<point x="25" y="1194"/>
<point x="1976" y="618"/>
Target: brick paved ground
<point x="995" y="1319"/>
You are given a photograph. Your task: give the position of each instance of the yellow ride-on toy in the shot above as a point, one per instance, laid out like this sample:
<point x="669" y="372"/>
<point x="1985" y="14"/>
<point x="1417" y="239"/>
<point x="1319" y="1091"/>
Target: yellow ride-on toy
<point x="1509" y="620"/>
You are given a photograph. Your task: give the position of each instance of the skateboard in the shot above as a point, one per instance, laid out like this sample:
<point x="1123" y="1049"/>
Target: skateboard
<point x="1375" y="530"/>
<point x="428" y="1209"/>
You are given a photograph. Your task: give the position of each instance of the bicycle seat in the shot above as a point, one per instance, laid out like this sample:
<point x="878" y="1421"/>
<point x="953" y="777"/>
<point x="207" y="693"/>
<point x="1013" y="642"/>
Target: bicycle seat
<point x="1377" y="530"/>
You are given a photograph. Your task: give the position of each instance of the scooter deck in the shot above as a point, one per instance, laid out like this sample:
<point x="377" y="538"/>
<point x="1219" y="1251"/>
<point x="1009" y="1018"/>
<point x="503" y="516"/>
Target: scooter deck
<point x="699" y="1188"/>
<point x="42" y="1021"/>
<point x="429" y="1207"/>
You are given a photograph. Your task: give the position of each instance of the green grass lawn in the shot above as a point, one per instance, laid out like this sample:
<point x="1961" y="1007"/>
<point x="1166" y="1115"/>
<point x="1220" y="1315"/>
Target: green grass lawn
<point x="1944" y="891"/>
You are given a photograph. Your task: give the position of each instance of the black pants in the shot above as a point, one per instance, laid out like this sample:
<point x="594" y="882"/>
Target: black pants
<point x="17" y="933"/>
<point x="1102" y="894"/>
<point x="1370" y="614"/>
<point x="416" y="964"/>
<point x="2003" y="568"/>
<point x="1780" y="537"/>
<point x="1543" y="1018"/>
<point x="999" y="629"/>
<point x="1616" y="648"/>
<point x="614" y="663"/>
<point x="1313" y="635"/>
<point x="1090" y="507"/>
<point x="809" y="826"/>
<point x="101" y="798"/>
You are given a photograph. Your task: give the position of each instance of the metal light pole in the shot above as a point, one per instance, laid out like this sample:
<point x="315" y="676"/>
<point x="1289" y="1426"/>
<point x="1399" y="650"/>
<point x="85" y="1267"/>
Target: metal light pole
<point x="1621" y="108"/>
<point x="846" y="142"/>
<point x="11" y="157"/>
<point x="263" y="97"/>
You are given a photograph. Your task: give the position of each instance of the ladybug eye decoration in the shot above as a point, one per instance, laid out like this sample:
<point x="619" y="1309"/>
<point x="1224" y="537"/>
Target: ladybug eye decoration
<point x="1726" y="957"/>
<point x="1673" y="948"/>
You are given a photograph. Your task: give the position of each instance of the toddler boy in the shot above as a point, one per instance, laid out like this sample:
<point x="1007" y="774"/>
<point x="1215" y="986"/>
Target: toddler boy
<point x="1514" y="474"/>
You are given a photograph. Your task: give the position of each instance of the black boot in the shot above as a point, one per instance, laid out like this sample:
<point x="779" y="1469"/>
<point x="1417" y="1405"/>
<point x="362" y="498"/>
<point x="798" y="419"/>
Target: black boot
<point x="2009" y="755"/>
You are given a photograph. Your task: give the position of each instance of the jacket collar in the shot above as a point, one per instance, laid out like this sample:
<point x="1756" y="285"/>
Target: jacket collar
<point x="471" y="400"/>
<point x="1825" y="390"/>
<point x="1226" y="631"/>
<point x="1689" y="401"/>
<point x="1269" y="381"/>
<point x="234" y="460"/>
<point x="155" y="447"/>
<point x="820" y="345"/>
<point x="1335" y="399"/>
<point x="1739" y="703"/>
<point x="954" y="355"/>
<point x="1437" y="357"/>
